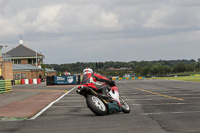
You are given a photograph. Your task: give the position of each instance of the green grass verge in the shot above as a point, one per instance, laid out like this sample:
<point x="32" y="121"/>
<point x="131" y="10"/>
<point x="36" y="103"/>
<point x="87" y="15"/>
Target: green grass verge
<point x="12" y="118"/>
<point x="182" y="78"/>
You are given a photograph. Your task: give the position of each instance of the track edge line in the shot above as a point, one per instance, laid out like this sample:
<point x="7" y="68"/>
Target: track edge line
<point x="49" y="105"/>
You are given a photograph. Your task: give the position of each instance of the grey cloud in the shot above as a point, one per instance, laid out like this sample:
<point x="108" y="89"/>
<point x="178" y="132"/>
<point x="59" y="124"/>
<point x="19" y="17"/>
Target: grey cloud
<point x="107" y="30"/>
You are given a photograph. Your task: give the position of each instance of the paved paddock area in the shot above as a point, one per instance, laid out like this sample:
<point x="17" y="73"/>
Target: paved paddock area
<point x="27" y="100"/>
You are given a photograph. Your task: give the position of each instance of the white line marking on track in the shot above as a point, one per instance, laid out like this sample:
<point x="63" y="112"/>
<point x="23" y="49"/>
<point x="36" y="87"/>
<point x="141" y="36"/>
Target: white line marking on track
<point x="146" y="99"/>
<point x="157" y="104"/>
<point x="186" y="112"/>
<point x="48" y="106"/>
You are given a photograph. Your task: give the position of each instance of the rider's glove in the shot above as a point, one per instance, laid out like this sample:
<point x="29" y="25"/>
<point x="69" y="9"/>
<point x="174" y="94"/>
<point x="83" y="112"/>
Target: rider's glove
<point x="112" y="83"/>
<point x="80" y="87"/>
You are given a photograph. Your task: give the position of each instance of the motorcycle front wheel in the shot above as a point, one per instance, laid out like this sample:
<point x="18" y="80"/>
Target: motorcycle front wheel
<point x="124" y="105"/>
<point x="96" y="105"/>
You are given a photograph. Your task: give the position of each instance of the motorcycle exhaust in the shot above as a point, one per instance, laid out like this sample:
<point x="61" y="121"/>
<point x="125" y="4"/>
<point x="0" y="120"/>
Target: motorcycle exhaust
<point x="83" y="89"/>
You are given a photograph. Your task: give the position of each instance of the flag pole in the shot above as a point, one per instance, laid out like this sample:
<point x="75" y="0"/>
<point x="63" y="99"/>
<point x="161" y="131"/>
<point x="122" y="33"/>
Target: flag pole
<point x="36" y="57"/>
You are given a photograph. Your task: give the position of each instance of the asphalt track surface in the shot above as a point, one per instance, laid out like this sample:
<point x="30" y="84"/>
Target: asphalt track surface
<point x="157" y="106"/>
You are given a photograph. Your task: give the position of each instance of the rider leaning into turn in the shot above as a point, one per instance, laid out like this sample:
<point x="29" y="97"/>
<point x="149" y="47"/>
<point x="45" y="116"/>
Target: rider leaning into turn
<point x="91" y="77"/>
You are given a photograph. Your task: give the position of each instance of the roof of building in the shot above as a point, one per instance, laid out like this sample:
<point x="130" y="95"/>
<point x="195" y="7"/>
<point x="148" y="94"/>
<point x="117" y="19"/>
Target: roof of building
<point x="22" y="51"/>
<point x="18" y="67"/>
<point x="25" y="67"/>
<point x="49" y="70"/>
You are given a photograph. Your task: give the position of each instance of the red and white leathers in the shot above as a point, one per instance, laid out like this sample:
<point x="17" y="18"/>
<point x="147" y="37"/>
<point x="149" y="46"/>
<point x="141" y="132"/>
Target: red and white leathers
<point x="95" y="79"/>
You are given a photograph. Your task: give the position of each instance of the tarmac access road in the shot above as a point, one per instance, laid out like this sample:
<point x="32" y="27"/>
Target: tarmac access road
<point x="157" y="106"/>
<point x="27" y="100"/>
<point x="25" y="91"/>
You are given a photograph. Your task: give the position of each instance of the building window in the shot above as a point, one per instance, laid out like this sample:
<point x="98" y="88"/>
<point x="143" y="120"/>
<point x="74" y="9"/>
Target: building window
<point x="17" y="76"/>
<point x="31" y="61"/>
<point x="34" y="61"/>
<point x="16" y="61"/>
<point x="23" y="75"/>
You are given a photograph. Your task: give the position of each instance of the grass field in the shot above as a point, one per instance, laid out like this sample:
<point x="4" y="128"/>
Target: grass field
<point x="182" y="78"/>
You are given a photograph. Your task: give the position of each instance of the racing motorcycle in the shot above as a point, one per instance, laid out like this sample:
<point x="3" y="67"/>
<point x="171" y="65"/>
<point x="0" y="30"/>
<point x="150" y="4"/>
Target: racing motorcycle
<point x="100" y="105"/>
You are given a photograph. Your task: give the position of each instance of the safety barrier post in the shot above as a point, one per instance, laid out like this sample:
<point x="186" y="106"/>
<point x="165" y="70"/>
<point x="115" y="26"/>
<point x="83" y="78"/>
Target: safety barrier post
<point x="113" y="78"/>
<point x="8" y="86"/>
<point x="38" y="81"/>
<point x="5" y="86"/>
<point x="2" y="86"/>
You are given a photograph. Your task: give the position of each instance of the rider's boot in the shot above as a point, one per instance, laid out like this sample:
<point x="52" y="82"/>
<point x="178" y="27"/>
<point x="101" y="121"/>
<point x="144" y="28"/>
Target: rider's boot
<point x="104" y="95"/>
<point x="104" y="92"/>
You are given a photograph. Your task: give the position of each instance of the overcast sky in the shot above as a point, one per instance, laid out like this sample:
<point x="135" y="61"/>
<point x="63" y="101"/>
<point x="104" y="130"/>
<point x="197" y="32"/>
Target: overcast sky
<point x="68" y="31"/>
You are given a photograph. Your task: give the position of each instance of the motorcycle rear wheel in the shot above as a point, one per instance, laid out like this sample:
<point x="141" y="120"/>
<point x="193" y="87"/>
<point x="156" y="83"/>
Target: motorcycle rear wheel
<point x="124" y="105"/>
<point x="96" y="105"/>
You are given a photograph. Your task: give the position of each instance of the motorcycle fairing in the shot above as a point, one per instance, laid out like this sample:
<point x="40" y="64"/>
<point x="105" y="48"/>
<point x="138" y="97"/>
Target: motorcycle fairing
<point x="114" y="106"/>
<point x="115" y="94"/>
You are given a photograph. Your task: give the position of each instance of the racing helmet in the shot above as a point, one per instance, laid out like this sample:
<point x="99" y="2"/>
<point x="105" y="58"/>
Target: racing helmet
<point x="87" y="70"/>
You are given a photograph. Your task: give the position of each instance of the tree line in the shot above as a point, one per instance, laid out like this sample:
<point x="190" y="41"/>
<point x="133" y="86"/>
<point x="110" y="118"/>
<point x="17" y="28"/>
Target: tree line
<point x="139" y="68"/>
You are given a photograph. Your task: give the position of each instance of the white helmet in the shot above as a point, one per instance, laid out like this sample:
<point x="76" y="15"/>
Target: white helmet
<point x="87" y="70"/>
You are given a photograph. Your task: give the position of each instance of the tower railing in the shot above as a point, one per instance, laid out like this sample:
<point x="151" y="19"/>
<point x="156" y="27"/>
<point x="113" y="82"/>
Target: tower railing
<point x="6" y="57"/>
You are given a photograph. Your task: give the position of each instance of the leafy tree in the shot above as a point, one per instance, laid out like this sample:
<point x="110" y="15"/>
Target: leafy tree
<point x="153" y="68"/>
<point x="154" y="71"/>
<point x="146" y="71"/>
<point x="198" y="64"/>
<point x="138" y="70"/>
<point x="190" y="67"/>
<point x="161" y="70"/>
<point x="180" y="67"/>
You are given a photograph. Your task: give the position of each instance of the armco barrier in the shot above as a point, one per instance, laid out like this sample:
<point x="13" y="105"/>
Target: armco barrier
<point x="8" y="86"/>
<point x="2" y="86"/>
<point x="127" y="78"/>
<point x="22" y="81"/>
<point x="34" y="81"/>
<point x="17" y="82"/>
<point x="30" y="81"/>
<point x="26" y="81"/>
<point x="5" y="86"/>
<point x="113" y="78"/>
<point x="38" y="81"/>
